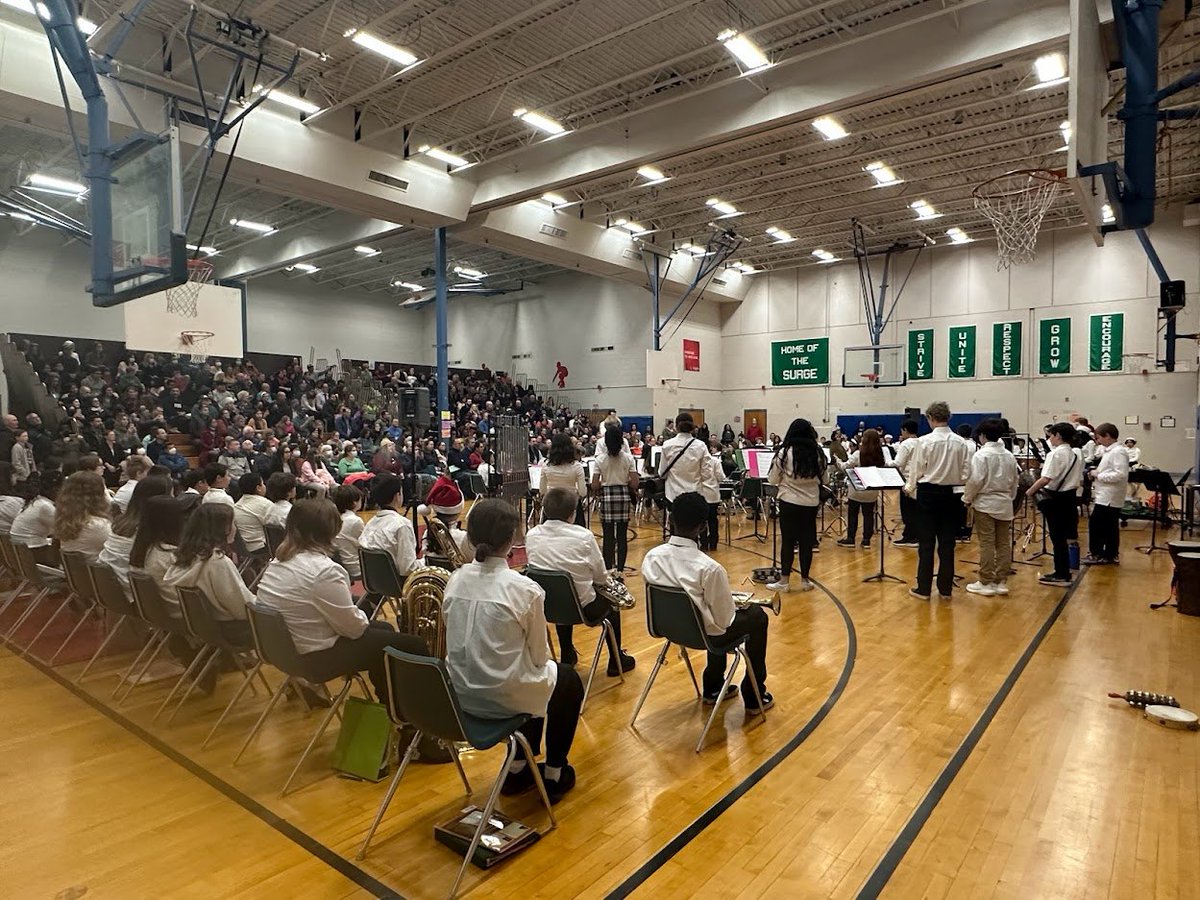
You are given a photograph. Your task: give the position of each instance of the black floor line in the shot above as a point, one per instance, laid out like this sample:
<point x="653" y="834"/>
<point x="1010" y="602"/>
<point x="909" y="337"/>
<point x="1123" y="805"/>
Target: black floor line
<point x="305" y="841"/>
<point x="891" y="859"/>
<point x="710" y="815"/>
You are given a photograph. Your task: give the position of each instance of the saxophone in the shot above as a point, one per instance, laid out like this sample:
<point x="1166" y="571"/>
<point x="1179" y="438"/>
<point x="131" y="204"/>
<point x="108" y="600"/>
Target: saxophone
<point x="421" y="607"/>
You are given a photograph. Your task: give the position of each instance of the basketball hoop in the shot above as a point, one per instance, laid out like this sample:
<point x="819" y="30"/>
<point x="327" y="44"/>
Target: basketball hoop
<point x="871" y="377"/>
<point x="1016" y="203"/>
<point x="672" y="384"/>
<point x="196" y="344"/>
<point x="182" y="299"/>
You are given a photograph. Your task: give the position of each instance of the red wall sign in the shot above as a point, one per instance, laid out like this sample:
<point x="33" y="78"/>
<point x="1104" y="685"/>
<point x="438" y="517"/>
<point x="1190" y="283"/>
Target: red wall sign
<point x="691" y="355"/>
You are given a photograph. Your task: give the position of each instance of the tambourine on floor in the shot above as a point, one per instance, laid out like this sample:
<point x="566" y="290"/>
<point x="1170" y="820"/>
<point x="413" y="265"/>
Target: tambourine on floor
<point x="1173" y="717"/>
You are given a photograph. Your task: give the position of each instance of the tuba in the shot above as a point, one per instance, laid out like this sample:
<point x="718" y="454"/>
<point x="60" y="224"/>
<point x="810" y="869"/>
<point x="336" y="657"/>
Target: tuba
<point x="614" y="591"/>
<point x="442" y="543"/>
<point x="421" y="607"/>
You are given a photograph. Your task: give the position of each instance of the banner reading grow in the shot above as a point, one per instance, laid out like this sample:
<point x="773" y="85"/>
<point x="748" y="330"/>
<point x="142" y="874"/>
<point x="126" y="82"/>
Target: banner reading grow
<point x="920" y="355"/>
<point x="1054" y="346"/>
<point x="1107" y="343"/>
<point x="1006" y="348"/>
<point x="800" y="363"/>
<point x="962" y="351"/>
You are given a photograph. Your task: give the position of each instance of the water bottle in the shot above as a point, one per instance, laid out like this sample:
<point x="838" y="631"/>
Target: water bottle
<point x="1073" y="554"/>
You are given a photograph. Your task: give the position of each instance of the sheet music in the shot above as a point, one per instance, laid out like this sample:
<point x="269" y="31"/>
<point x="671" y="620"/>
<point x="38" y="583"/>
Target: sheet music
<point x="871" y="477"/>
<point x="535" y="478"/>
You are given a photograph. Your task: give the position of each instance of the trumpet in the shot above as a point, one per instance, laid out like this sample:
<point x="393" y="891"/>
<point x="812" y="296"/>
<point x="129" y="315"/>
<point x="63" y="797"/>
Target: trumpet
<point x="743" y="599"/>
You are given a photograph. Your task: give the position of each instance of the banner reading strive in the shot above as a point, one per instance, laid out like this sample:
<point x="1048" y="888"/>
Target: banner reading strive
<point x="1054" y="346"/>
<point x="1006" y="348"/>
<point x="920" y="355"/>
<point x="1107" y="343"/>
<point x="798" y="363"/>
<point x="962" y="352"/>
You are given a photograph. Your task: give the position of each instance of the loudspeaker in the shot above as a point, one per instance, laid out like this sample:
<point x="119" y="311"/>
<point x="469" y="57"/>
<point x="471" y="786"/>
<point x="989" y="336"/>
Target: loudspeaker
<point x="1171" y="295"/>
<point x="414" y="406"/>
<point x="912" y="412"/>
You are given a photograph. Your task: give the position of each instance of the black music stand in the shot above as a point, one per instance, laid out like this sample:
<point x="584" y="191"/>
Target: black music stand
<point x="1160" y="483"/>
<point x="769" y="573"/>
<point x="754" y="489"/>
<point x="880" y="508"/>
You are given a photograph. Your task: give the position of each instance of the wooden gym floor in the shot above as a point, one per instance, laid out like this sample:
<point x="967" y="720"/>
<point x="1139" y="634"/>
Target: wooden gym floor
<point x="961" y="749"/>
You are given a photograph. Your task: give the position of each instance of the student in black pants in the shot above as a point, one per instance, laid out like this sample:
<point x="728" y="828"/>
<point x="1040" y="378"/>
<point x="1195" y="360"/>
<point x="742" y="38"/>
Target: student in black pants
<point x="1062" y="474"/>
<point x="797" y="471"/>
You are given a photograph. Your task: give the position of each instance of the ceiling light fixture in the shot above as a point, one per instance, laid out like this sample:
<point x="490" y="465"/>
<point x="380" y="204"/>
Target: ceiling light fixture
<point x="632" y="227"/>
<point x="744" y="50"/>
<point x="54" y="185"/>
<point x="831" y="129"/>
<point x="252" y="226"/>
<point x="367" y="251"/>
<point x="883" y="174"/>
<point x="780" y="235"/>
<point x="693" y="250"/>
<point x="469" y="273"/>
<point x="24" y="217"/>
<point x="958" y="236"/>
<point x="369" y="42"/>
<point x="540" y="122"/>
<point x="307" y="268"/>
<point x="445" y="156"/>
<point x="824" y="256"/>
<point x="924" y="210"/>
<point x="86" y="26"/>
<point x="207" y="251"/>
<point x="305" y="106"/>
<point x="407" y="285"/>
<point x="652" y="175"/>
<point x="1064" y="129"/>
<point x="1050" y="69"/>
<point x="555" y="200"/>
<point x="744" y="268"/>
<point x="725" y="209"/>
<point x="1107" y="216"/>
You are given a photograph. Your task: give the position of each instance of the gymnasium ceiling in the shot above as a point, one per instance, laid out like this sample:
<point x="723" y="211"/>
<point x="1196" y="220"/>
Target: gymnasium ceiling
<point x="593" y="64"/>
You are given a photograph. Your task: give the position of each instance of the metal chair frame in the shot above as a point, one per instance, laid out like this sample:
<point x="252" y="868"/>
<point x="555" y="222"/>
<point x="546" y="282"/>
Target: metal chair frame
<point x="32" y="571"/>
<point x="110" y="609"/>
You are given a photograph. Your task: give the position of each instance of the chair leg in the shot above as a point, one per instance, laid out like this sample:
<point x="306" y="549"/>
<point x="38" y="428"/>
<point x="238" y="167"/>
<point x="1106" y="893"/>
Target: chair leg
<point x="611" y="634"/>
<point x="391" y="792"/>
<point x="453" y="748"/>
<point x="487" y="812"/>
<point x="198" y="660"/>
<point x="687" y="661"/>
<point x="335" y="708"/>
<point x="658" y="663"/>
<point x="33" y="604"/>
<point x="247" y="682"/>
<point x="754" y="684"/>
<point x="151" y="642"/>
<point x="163" y="637"/>
<point x="275" y="698"/>
<point x="112" y="632"/>
<point x="550" y="642"/>
<point x="537" y="777"/>
<point x="213" y="658"/>
<point x="87" y="614"/>
<point x="587" y="687"/>
<point x="12" y="598"/>
<point x="737" y="656"/>
<point x="50" y="621"/>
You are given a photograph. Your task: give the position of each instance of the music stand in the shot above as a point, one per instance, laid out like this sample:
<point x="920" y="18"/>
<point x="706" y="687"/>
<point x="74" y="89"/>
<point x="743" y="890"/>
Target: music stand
<point x="880" y="508"/>
<point x="754" y="489"/>
<point x="1161" y="483"/>
<point x="769" y="573"/>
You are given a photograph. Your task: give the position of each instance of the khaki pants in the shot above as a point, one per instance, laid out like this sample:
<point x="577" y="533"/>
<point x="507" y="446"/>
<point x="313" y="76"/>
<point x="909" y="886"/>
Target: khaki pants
<point x="995" y="548"/>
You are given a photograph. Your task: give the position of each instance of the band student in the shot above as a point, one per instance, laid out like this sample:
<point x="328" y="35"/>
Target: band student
<point x="908" y="505"/>
<point x="990" y="489"/>
<point x="797" y="470"/>
<point x="1111" y="484"/>
<point x="684" y="458"/>
<point x="680" y="563"/>
<point x="1062" y="474"/>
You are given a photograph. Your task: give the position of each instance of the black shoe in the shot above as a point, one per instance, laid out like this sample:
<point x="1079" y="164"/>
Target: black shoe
<point x="905" y="542"/>
<point x="712" y="699"/>
<point x="767" y="702"/>
<point x="556" y="790"/>
<point x="866" y="545"/>
<point x="627" y="665"/>
<point x="313" y="698"/>
<point x="518" y="782"/>
<point x="569" y="657"/>
<point x="1054" y="579"/>
<point x="845" y="542"/>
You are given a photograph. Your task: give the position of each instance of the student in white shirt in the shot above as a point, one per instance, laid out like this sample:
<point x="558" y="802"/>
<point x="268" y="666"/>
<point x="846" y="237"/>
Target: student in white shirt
<point x="683" y="459"/>
<point x="710" y="489"/>
<point x="10" y="503"/>
<point x="153" y="553"/>
<point x="498" y="656"/>
<point x="82" y="520"/>
<point x="908" y="505"/>
<point x="1111" y="483"/>
<point x="312" y="592"/>
<point x="562" y="546"/>
<point x="33" y="526"/>
<point x="251" y="511"/>
<point x="616" y="478"/>
<point x="281" y="491"/>
<point x="990" y="490"/>
<point x="389" y="529"/>
<point x="200" y="562"/>
<point x="217" y="477"/>
<point x="119" y="545"/>
<point x="348" y="500"/>
<point x="796" y="471"/>
<point x="862" y="503"/>
<point x="680" y="563"/>
<point x="445" y="501"/>
<point x="1062" y="473"/>
<point x="563" y="470"/>
<point x="136" y="468"/>
<point x="940" y="462"/>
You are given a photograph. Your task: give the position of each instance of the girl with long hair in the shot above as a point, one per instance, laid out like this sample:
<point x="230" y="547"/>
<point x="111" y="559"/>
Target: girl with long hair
<point x="564" y="470"/>
<point x="797" y="470"/>
<point x="862" y="503"/>
<point x="159" y="533"/>
<point x="125" y="527"/>
<point x="200" y="562"/>
<point x="82" y="518"/>
<point x="616" y="479"/>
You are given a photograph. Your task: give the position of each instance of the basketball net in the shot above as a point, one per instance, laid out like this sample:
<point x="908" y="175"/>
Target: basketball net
<point x="1016" y="203"/>
<point x="196" y="344"/>
<point x="182" y="299"/>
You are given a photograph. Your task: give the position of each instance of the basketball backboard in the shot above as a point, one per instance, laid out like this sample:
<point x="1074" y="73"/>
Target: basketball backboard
<point x="220" y="310"/>
<point x="1087" y="133"/>
<point x="875" y="366"/>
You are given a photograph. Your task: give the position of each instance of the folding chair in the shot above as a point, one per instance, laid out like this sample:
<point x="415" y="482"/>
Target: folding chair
<point x="274" y="536"/>
<point x="420" y="695"/>
<point x="110" y="595"/>
<point x="79" y="579"/>
<point x="8" y="552"/>
<point x="671" y="615"/>
<point x="153" y="608"/>
<point x="563" y="608"/>
<point x="276" y="647"/>
<point x="44" y="578"/>
<point x="380" y="577"/>
<point x="479" y="487"/>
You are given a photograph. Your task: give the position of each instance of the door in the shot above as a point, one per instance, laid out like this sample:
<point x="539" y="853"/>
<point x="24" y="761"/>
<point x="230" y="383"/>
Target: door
<point x="697" y="415"/>
<point x="755" y="415"/>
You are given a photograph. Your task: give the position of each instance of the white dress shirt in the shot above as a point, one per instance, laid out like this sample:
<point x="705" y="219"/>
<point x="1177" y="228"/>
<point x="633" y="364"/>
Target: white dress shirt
<point x="568" y="548"/>
<point x="496" y="646"/>
<point x="34" y="525"/>
<point x="312" y="592"/>
<point x="940" y="457"/>
<point x="614" y="469"/>
<point x="791" y="489"/>
<point x="1112" y="477"/>
<point x="90" y="541"/>
<point x="220" y="582"/>
<point x="572" y="477"/>
<point x="680" y="563"/>
<point x="115" y="555"/>
<point x="217" y="495"/>
<point x="392" y="532"/>
<point x="688" y="473"/>
<point x="711" y="474"/>
<point x="1135" y="454"/>
<point x="160" y="558"/>
<point x="854" y="461"/>
<point x="346" y="543"/>
<point x="124" y="494"/>
<point x="9" y="508"/>
<point x="1063" y="468"/>
<point x="279" y="513"/>
<point x="249" y="515"/>
<point x="904" y="451"/>
<point x="992" y="484"/>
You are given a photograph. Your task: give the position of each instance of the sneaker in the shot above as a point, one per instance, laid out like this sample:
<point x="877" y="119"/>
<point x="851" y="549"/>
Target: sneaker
<point x="1090" y="560"/>
<point x="978" y="587"/>
<point x="767" y="702"/>
<point x="866" y="545"/>
<point x="845" y="542"/>
<point x="556" y="790"/>
<point x="783" y="585"/>
<point x="1051" y="578"/>
<point x="627" y="664"/>
<point x="518" y="782"/>
<point x="945" y="597"/>
<point x="1000" y="588"/>
<point x="817" y="548"/>
<point x="713" y="699"/>
<point x="918" y="594"/>
<point x="806" y="585"/>
<point x="902" y="543"/>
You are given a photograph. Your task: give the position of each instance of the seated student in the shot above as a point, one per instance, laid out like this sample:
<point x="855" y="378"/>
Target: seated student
<point x="200" y="562"/>
<point x="281" y="491"/>
<point x="119" y="545"/>
<point x="390" y="529"/>
<point x="33" y="526"/>
<point x="82" y="520"/>
<point x="216" y="476"/>
<point x="498" y="656"/>
<point x="561" y="545"/>
<point x="159" y="533"/>
<point x="679" y="563"/>
<point x="312" y="593"/>
<point x="348" y="500"/>
<point x="136" y="468"/>
<point x="251" y="511"/>
<point x="173" y="460"/>
<point x="194" y="489"/>
<point x="446" y="502"/>
<point x="10" y="502"/>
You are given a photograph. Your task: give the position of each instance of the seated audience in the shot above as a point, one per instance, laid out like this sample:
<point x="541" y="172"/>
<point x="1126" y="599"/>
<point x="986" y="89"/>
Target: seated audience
<point x="119" y="545"/>
<point x="200" y="562"/>
<point x="348" y="500"/>
<point x="281" y="491"/>
<point x="82" y="520"/>
<point x="389" y="529"/>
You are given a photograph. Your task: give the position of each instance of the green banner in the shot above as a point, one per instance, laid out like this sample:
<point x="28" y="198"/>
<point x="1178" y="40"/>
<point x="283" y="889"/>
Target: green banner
<point x="962" y="352"/>
<point x="1006" y="348"/>
<point x="1106" y="343"/>
<point x="1054" y="346"/>
<point x="920" y="355"/>
<point x="799" y="363"/>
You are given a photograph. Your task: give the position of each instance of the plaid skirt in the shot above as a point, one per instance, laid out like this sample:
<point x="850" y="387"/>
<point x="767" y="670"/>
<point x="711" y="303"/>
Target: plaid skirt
<point x="615" y="504"/>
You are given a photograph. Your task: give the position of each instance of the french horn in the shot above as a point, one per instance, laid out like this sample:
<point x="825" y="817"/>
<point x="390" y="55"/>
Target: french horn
<point x="421" y="607"/>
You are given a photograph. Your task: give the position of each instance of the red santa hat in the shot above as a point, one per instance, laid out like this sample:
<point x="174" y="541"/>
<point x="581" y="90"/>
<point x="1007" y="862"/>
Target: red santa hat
<point x="445" y="498"/>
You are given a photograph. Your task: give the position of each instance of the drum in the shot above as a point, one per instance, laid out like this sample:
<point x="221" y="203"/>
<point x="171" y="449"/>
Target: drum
<point x="1187" y="592"/>
<point x="1178" y="547"/>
